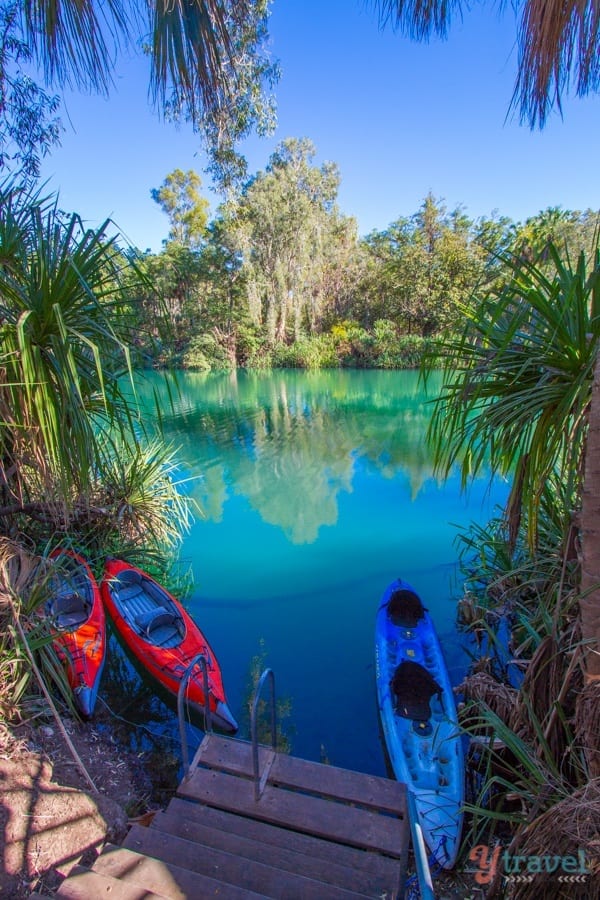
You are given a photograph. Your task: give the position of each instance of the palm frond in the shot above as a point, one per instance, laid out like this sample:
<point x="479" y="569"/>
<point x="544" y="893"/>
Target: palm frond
<point x="64" y="346"/>
<point x="559" y="43"/>
<point x="191" y="48"/>
<point x="518" y="380"/>
<point x="418" y="19"/>
<point x="76" y="42"/>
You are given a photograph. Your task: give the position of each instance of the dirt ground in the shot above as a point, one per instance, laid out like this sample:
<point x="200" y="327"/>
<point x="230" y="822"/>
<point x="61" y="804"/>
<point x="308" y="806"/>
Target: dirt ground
<point x="51" y="817"/>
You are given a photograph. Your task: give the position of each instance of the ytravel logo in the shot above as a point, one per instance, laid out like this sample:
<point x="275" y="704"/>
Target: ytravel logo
<point x="490" y="862"/>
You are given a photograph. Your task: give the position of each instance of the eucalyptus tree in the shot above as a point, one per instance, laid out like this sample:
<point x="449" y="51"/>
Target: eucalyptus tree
<point x="29" y="122"/>
<point x="180" y="198"/>
<point x="283" y="223"/>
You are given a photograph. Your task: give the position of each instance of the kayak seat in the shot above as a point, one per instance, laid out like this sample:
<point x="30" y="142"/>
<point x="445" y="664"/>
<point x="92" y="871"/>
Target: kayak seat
<point x="412" y="688"/>
<point x="159" y="625"/>
<point x="69" y="610"/>
<point x="127" y="585"/>
<point x="405" y="608"/>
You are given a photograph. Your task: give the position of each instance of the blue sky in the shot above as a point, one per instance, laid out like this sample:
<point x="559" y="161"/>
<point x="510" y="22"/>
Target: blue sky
<point x="399" y="118"/>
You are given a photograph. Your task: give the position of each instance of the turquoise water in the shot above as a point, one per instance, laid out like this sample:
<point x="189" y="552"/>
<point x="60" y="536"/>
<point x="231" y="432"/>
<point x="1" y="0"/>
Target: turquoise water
<point x="316" y="491"/>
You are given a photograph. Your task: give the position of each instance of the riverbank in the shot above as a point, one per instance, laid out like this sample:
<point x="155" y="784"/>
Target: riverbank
<point x="59" y="807"/>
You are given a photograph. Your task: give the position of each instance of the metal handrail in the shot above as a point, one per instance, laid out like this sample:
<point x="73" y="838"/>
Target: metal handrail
<point x="268" y="673"/>
<point x="200" y="659"/>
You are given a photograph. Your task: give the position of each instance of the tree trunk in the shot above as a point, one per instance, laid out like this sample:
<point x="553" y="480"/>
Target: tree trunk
<point x="587" y="717"/>
<point x="590" y="540"/>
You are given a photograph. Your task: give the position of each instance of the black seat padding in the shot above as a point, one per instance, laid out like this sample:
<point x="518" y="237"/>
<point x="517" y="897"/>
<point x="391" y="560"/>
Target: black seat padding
<point x="405" y="608"/>
<point x="412" y="688"/>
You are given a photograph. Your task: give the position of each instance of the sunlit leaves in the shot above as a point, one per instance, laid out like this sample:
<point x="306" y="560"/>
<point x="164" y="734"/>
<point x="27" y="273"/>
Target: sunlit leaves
<point x="64" y="342"/>
<point x="29" y="127"/>
<point x="179" y="197"/>
<point x="208" y="65"/>
<point x="519" y="379"/>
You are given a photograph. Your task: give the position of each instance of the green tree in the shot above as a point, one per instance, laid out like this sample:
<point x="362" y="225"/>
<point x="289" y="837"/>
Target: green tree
<point x="30" y="126"/>
<point x="193" y="296"/>
<point x="179" y="197"/>
<point x="564" y="229"/>
<point x="283" y="225"/>
<point x="556" y="48"/>
<point x="520" y="393"/>
<point x="425" y="266"/>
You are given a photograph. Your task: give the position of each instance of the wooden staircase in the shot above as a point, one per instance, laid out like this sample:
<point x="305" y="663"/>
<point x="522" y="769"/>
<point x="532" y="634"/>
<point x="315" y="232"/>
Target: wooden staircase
<point x="316" y="832"/>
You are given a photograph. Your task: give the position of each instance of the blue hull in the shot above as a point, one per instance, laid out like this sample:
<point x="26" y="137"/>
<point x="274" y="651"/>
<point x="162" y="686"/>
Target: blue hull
<point x="426" y="755"/>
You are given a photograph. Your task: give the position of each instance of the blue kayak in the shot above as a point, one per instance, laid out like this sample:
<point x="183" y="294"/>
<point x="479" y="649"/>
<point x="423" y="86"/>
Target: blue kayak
<point x="418" y="716"/>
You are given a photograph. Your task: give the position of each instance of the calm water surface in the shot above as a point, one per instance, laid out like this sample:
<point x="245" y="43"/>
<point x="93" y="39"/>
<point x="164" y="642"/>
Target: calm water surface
<point x="316" y="491"/>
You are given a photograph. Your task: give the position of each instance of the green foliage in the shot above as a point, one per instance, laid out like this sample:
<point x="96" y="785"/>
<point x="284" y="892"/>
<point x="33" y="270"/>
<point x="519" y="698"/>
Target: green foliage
<point x="64" y="351"/>
<point x="284" y="226"/>
<point x="205" y="354"/>
<point x="519" y="380"/>
<point x="283" y="707"/>
<point x="421" y="269"/>
<point x="251" y="347"/>
<point x="29" y="126"/>
<point x="179" y="197"/>
<point x="515" y="398"/>
<point x="316" y="352"/>
<point x="280" y="277"/>
<point x="247" y="100"/>
<point x="64" y="344"/>
<point x="78" y="466"/>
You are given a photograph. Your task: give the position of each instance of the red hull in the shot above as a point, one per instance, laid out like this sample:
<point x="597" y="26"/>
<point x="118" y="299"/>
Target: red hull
<point x="81" y="647"/>
<point x="167" y="664"/>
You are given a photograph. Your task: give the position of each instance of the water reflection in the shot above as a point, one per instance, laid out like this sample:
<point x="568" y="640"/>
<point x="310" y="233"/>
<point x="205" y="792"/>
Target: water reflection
<point x="317" y="491"/>
<point x="290" y="442"/>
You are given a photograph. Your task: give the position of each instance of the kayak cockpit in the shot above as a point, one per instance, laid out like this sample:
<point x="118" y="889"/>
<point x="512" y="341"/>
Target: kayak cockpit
<point x="148" y="609"/>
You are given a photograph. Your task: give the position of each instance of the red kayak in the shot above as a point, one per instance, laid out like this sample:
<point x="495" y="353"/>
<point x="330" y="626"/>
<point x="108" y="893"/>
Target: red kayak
<point x="163" y="637"/>
<point x="78" y="623"/>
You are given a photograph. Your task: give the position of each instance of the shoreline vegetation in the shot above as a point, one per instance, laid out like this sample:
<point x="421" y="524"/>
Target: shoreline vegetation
<point x="518" y="342"/>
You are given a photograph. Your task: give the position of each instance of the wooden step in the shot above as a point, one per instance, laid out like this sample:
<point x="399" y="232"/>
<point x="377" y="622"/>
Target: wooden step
<point x="164" y="877"/>
<point x="312" y="815"/>
<point x="271" y="835"/>
<point x="261" y="879"/>
<point x="371" y="791"/>
<point x="288" y="859"/>
<point x="85" y="884"/>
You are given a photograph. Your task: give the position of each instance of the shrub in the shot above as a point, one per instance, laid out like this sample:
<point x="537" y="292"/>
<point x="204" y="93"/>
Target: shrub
<point x="316" y="352"/>
<point x="204" y="354"/>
